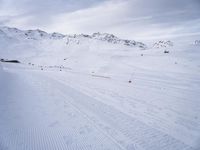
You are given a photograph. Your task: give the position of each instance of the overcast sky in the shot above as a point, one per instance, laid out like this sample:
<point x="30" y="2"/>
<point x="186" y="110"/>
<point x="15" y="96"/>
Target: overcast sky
<point x="135" y="19"/>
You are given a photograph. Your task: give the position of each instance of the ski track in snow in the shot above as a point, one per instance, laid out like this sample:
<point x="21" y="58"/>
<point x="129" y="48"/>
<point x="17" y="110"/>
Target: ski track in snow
<point x="45" y="123"/>
<point x="54" y="114"/>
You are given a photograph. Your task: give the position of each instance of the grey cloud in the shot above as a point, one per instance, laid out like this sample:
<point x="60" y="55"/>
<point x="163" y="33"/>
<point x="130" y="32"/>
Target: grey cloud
<point x="127" y="18"/>
<point x="166" y="10"/>
<point x="39" y="13"/>
<point x="48" y="7"/>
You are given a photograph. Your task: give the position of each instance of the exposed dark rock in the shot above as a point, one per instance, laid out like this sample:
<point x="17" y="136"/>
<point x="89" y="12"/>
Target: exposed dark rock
<point x="10" y="61"/>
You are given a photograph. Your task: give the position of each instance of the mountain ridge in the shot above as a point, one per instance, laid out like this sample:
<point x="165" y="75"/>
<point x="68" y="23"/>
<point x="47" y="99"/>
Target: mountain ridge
<point x="38" y="34"/>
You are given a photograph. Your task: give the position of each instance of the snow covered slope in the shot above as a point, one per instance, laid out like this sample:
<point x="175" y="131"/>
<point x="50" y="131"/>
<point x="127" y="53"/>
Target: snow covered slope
<point x="37" y="46"/>
<point x="97" y="92"/>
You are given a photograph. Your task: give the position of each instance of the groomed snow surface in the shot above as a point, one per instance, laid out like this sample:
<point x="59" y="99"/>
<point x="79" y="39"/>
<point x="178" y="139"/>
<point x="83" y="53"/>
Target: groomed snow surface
<point x="98" y="96"/>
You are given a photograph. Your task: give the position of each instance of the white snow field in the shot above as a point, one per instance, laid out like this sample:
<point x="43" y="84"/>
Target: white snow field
<point x="79" y="92"/>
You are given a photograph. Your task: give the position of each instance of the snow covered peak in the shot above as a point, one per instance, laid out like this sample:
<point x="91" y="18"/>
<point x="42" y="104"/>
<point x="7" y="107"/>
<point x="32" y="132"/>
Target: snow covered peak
<point x="115" y="40"/>
<point x="69" y="39"/>
<point x="56" y="35"/>
<point x="9" y="29"/>
<point x="103" y="36"/>
<point x="37" y="31"/>
<point x="30" y="34"/>
<point x="163" y="44"/>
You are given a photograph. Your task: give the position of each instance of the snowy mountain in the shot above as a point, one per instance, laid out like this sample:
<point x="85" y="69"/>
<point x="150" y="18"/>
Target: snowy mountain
<point x="41" y="35"/>
<point x="52" y="48"/>
<point x="97" y="92"/>
<point x="115" y="40"/>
